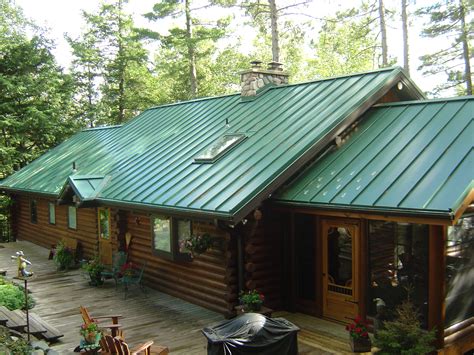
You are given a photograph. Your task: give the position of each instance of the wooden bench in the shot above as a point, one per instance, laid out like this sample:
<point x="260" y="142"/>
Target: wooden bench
<point x="51" y="334"/>
<point x="35" y="328"/>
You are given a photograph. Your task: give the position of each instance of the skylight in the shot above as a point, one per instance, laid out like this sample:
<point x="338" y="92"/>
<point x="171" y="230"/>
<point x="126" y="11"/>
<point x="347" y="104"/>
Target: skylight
<point x="219" y="148"/>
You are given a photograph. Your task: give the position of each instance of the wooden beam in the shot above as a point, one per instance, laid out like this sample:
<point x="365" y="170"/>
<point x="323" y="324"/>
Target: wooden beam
<point x="464" y="206"/>
<point x="366" y="215"/>
<point x="437" y="282"/>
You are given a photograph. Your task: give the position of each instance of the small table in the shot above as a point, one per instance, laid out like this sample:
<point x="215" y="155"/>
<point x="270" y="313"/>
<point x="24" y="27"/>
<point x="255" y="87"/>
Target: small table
<point x="263" y="311"/>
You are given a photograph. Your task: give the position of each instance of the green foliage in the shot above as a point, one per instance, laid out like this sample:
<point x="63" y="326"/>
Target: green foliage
<point x="63" y="257"/>
<point x="34" y="92"/>
<point x="251" y="300"/>
<point x="112" y="80"/>
<point x="196" y="244"/>
<point x="345" y="45"/>
<point x="13" y="296"/>
<point x="450" y="19"/>
<point x="94" y="267"/>
<point x="404" y="335"/>
<point x="17" y="345"/>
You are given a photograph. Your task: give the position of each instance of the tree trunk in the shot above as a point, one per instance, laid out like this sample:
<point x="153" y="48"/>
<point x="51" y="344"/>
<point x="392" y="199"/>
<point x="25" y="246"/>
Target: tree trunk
<point x="406" y="57"/>
<point x="121" y="73"/>
<point x="191" y="51"/>
<point x="465" y="47"/>
<point x="275" y="34"/>
<point x="383" y="32"/>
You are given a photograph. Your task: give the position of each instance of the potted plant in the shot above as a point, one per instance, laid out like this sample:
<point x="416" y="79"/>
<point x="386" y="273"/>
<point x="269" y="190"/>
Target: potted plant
<point x="195" y="244"/>
<point x="63" y="257"/>
<point x="94" y="267"/>
<point x="359" y="336"/>
<point x="91" y="335"/>
<point x="251" y="300"/>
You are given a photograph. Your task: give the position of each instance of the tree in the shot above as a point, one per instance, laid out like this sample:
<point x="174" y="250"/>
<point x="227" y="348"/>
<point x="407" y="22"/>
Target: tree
<point x="191" y="42"/>
<point x="346" y="44"/>
<point x="109" y="56"/>
<point x="383" y="33"/>
<point x="34" y="93"/>
<point x="450" y="19"/>
<point x="406" y="56"/>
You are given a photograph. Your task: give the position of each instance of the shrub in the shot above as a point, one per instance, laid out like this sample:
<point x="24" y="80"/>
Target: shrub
<point x="17" y="345"/>
<point x="13" y="296"/>
<point x="63" y="257"/>
<point x="404" y="335"/>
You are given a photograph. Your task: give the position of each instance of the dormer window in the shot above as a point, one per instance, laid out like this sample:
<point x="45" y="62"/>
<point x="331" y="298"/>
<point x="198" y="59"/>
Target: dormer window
<point x="219" y="148"/>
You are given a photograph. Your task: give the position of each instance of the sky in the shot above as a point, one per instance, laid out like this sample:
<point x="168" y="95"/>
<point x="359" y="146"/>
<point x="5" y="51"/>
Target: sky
<point x="64" y="16"/>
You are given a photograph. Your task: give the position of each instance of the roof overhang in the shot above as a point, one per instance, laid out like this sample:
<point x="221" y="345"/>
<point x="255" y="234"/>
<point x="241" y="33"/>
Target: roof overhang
<point x="82" y="190"/>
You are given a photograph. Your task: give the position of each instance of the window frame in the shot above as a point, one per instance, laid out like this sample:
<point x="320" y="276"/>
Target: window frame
<point x="174" y="253"/>
<point x="69" y="217"/>
<point x="33" y="211"/>
<point x="200" y="160"/>
<point x="52" y="206"/>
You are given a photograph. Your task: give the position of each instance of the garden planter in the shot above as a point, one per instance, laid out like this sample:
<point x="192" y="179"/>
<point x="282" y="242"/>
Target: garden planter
<point x="361" y="345"/>
<point x="96" y="280"/>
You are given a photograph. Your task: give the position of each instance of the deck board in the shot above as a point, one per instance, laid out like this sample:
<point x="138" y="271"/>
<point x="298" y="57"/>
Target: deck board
<point x="153" y="315"/>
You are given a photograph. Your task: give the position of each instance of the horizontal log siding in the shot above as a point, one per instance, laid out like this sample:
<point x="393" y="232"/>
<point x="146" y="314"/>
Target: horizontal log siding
<point x="209" y="280"/>
<point x="45" y="234"/>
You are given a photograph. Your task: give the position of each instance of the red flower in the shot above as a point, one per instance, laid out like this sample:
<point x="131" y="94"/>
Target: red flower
<point x="358" y="330"/>
<point x="365" y="334"/>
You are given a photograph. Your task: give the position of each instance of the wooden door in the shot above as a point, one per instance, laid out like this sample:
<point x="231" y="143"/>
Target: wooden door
<point x="105" y="245"/>
<point x="341" y="267"/>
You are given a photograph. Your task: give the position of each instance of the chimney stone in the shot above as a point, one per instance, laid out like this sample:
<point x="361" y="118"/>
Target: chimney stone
<point x="257" y="78"/>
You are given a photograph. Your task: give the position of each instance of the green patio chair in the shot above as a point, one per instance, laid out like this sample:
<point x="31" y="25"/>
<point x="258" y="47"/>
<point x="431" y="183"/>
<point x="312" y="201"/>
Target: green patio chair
<point x="119" y="259"/>
<point x="133" y="277"/>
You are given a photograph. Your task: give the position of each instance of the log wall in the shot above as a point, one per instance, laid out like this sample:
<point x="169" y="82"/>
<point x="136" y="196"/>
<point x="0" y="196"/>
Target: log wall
<point x="209" y="280"/>
<point x="263" y="259"/>
<point x="45" y="234"/>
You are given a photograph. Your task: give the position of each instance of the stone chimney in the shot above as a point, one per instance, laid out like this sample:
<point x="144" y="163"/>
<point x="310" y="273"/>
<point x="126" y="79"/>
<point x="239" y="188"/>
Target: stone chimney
<point x="256" y="77"/>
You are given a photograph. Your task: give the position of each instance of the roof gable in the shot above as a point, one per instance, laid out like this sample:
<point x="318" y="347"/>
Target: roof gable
<point x="150" y="160"/>
<point x="415" y="157"/>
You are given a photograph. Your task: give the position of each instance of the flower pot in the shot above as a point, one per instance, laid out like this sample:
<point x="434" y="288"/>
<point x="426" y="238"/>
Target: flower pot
<point x="360" y="345"/>
<point x="252" y="307"/>
<point x="96" y="279"/>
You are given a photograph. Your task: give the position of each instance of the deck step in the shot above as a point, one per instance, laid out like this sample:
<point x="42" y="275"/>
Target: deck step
<point x="14" y="321"/>
<point x="51" y="333"/>
<point x="35" y="327"/>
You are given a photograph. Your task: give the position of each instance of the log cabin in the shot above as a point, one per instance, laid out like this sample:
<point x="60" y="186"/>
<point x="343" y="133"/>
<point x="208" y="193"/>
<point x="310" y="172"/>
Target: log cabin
<point x="323" y="195"/>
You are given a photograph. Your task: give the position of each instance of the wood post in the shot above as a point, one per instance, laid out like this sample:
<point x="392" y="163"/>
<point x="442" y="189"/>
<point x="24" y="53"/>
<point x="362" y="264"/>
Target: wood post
<point x="437" y="282"/>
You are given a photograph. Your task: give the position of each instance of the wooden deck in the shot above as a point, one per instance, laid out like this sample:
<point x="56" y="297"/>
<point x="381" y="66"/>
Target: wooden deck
<point x="151" y="316"/>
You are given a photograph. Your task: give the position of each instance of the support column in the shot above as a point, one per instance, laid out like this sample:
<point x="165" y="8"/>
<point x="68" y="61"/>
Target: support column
<point x="437" y="282"/>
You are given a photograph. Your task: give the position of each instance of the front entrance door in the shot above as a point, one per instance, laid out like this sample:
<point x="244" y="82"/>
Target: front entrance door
<point x="105" y="245"/>
<point x="340" y="269"/>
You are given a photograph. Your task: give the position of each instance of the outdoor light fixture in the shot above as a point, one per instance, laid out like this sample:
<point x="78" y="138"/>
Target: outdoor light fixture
<point x="400" y="85"/>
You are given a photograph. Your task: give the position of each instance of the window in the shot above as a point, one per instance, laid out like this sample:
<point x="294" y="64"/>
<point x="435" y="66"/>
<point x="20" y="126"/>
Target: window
<point x="459" y="268"/>
<point x="398" y="264"/>
<point x="167" y="232"/>
<point x="219" y="148"/>
<point x="33" y="211"/>
<point x="104" y="223"/>
<point x="72" y="217"/>
<point x="52" y="213"/>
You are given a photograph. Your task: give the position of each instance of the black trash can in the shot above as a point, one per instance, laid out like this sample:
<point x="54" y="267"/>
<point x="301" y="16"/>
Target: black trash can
<point x="252" y="333"/>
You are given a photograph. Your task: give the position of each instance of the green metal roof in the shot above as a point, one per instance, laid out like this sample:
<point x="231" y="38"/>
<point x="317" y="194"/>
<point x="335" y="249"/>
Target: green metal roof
<point x="150" y="160"/>
<point x="415" y="157"/>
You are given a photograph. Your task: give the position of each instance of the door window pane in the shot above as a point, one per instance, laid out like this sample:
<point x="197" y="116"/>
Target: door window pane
<point x="72" y="217"/>
<point x="104" y="223"/>
<point x="52" y="213"/>
<point x="340" y="256"/>
<point x="162" y="234"/>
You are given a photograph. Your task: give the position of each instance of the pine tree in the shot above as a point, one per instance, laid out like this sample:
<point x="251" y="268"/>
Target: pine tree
<point x="34" y="92"/>
<point x="450" y="18"/>
<point x="187" y="44"/>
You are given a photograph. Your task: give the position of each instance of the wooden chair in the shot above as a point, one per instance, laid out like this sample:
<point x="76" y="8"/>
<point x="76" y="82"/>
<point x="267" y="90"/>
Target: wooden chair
<point x="111" y="345"/>
<point x="114" y="327"/>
